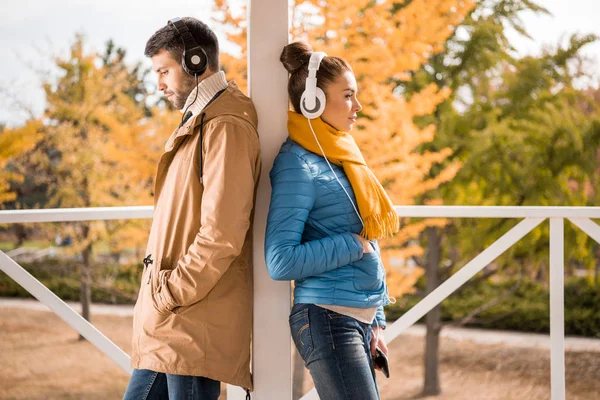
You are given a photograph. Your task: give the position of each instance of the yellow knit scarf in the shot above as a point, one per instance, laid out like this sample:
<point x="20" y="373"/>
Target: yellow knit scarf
<point x="374" y="205"/>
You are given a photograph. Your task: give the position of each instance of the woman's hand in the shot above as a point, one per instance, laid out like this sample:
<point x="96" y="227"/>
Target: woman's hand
<point x="377" y="340"/>
<point x="367" y="247"/>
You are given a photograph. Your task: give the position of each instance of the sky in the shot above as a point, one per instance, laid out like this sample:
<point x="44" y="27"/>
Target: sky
<point x="33" y="31"/>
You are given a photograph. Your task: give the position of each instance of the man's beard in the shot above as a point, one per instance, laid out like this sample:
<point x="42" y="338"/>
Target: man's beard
<point x="188" y="83"/>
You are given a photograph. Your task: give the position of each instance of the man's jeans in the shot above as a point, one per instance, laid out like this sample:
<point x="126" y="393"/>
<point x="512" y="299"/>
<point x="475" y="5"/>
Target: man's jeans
<point x="335" y="349"/>
<point x="150" y="385"/>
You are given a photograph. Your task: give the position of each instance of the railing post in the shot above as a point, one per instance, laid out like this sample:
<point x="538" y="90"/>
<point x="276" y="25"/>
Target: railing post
<point x="557" y="308"/>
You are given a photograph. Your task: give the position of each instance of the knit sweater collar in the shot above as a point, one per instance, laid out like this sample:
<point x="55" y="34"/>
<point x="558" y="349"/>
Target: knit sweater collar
<point x="207" y="89"/>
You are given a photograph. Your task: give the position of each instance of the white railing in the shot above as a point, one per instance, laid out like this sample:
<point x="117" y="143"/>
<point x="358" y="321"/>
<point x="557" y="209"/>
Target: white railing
<point x="60" y="308"/>
<point x="43" y="294"/>
<point x="533" y="216"/>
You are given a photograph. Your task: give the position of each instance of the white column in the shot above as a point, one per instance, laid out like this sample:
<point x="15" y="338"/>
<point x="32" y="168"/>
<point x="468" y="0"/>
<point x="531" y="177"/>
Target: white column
<point x="557" y="308"/>
<point x="267" y="34"/>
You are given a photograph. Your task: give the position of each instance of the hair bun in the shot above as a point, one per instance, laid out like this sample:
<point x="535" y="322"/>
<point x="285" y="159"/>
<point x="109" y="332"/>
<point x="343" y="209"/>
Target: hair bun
<point x="295" y="55"/>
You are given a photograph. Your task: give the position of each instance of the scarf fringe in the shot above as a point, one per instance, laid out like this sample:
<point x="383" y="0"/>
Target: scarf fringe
<point x="379" y="227"/>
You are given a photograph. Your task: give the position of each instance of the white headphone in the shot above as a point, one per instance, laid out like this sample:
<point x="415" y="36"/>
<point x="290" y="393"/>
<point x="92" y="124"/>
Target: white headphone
<point x="312" y="105"/>
<point x="312" y="102"/>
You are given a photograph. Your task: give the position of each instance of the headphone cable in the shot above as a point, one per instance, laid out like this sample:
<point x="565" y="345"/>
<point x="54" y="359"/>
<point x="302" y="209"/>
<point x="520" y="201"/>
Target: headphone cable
<point x="334" y="174"/>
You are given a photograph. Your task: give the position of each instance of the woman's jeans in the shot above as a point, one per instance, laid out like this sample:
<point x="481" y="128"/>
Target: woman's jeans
<point x="150" y="385"/>
<point x="335" y="349"/>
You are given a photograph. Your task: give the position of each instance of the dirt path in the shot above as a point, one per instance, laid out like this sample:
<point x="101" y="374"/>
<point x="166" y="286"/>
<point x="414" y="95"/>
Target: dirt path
<point x="481" y="336"/>
<point x="42" y="359"/>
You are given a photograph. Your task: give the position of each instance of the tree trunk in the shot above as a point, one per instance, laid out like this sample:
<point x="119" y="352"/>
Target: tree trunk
<point x="597" y="268"/>
<point x="542" y="274"/>
<point x="431" y="386"/>
<point x="298" y="379"/>
<point x="85" y="292"/>
<point x="21" y="234"/>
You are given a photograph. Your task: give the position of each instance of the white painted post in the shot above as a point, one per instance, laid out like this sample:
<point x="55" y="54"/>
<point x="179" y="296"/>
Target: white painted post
<point x="235" y="393"/>
<point x="557" y="308"/>
<point x="267" y="34"/>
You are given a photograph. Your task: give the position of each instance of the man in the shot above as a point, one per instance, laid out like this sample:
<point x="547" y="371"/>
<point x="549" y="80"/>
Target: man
<point x="193" y="317"/>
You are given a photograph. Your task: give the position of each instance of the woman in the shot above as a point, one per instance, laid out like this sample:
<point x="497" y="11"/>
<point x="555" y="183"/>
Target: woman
<point x="327" y="210"/>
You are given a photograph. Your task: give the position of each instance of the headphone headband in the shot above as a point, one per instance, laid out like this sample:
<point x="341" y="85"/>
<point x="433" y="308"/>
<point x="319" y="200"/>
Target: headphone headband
<point x="314" y="63"/>
<point x="183" y="31"/>
<point x="194" y="60"/>
<point x="312" y="102"/>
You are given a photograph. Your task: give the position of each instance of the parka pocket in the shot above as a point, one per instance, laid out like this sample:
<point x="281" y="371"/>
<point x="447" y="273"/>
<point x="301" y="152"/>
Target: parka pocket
<point x="369" y="275"/>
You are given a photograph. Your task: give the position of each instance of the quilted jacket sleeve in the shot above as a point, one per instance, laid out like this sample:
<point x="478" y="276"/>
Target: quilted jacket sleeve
<point x="292" y="199"/>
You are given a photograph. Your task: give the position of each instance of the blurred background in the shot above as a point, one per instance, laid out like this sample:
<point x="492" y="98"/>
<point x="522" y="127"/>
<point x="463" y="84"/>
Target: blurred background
<point x="466" y="102"/>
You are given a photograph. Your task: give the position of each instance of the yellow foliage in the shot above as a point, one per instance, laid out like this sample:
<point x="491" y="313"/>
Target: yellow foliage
<point x="401" y="282"/>
<point x="236" y="68"/>
<point x="383" y="41"/>
<point x="14" y="142"/>
<point x="98" y="149"/>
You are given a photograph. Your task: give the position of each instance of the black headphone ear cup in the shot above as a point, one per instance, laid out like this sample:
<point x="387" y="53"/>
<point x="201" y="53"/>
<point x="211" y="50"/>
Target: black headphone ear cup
<point x="184" y="64"/>
<point x="319" y="107"/>
<point x="195" y="61"/>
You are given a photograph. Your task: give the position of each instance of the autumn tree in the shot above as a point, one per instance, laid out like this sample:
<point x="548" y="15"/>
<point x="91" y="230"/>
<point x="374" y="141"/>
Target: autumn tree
<point x="382" y="41"/>
<point x="471" y="58"/>
<point x="14" y="179"/>
<point x="533" y="145"/>
<point x="514" y="126"/>
<point x="385" y="43"/>
<point x="96" y="148"/>
<point x="14" y="142"/>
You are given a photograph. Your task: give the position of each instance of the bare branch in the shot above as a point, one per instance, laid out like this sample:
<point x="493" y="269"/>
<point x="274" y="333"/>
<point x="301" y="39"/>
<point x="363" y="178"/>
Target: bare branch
<point x="485" y="306"/>
<point x="16" y="101"/>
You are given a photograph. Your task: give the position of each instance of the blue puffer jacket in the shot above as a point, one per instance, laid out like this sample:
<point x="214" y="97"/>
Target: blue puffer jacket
<point x="311" y="237"/>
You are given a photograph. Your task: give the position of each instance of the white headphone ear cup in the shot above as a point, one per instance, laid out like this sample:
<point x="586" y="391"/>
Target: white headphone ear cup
<point x="319" y="104"/>
<point x="322" y="100"/>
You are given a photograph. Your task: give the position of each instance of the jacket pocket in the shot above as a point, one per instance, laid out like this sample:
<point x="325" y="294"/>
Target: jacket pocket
<point x="369" y="275"/>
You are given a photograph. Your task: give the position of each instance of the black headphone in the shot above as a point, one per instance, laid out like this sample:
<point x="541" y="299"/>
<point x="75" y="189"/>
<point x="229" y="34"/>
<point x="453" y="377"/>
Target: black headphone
<point x="194" y="60"/>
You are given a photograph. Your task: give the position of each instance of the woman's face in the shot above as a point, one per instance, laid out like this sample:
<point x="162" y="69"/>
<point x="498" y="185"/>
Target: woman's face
<point x="342" y="105"/>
